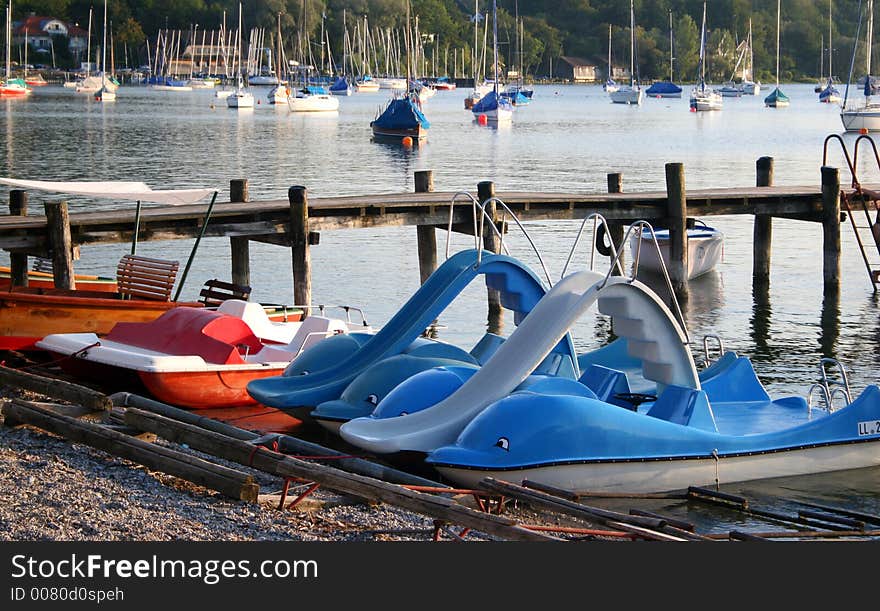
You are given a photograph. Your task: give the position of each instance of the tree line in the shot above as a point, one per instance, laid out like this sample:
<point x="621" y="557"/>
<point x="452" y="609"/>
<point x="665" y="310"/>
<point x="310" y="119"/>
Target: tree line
<point x="550" y="29"/>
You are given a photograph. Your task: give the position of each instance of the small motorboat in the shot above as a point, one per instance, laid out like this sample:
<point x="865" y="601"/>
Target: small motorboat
<point x="193" y="357"/>
<point x="705" y="249"/>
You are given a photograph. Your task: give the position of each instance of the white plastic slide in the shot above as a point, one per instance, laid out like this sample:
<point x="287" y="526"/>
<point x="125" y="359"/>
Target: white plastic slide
<point x="527" y="346"/>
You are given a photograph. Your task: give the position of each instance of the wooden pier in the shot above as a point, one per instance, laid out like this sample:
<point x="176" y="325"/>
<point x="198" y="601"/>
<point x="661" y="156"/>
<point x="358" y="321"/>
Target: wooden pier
<point x="297" y="222"/>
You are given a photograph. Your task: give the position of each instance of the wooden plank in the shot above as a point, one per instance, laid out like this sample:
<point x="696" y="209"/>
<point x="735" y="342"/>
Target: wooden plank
<point x="55" y="388"/>
<point x="649" y="528"/>
<point x="229" y="482"/>
<point x="334" y="479"/>
<point x="286" y="443"/>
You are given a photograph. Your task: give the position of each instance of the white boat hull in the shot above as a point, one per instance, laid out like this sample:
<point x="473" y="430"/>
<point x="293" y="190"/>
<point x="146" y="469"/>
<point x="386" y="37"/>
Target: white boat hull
<point x="171" y="87"/>
<point x="314" y="103"/>
<point x="860" y="119"/>
<point x="628" y="95"/>
<point x="647" y="476"/>
<point x="240" y="100"/>
<point x="704" y="253"/>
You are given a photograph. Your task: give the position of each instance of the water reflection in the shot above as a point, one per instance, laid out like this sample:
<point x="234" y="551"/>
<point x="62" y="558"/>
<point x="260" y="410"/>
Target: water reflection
<point x="829" y="324"/>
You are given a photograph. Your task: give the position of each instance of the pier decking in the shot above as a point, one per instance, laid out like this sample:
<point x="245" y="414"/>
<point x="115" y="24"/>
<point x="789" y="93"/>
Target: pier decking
<point x="298" y="221"/>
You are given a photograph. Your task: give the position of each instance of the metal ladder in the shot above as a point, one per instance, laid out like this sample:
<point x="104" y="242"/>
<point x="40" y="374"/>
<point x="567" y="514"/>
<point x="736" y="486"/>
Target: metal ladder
<point x="862" y="202"/>
<point x="830" y="388"/>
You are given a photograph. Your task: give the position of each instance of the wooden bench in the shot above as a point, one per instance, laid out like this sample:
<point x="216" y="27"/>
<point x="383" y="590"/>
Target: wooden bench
<point x="216" y="292"/>
<point x="145" y="278"/>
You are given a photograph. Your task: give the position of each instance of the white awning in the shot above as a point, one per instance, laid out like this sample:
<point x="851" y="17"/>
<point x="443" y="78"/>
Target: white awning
<point x="131" y="191"/>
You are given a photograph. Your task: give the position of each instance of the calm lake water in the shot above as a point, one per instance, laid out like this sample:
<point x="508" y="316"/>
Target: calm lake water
<point x="567" y="139"/>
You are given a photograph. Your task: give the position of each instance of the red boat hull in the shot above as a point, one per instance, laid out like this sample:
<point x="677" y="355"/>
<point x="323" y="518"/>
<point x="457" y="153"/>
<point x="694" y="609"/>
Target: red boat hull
<point x="203" y="390"/>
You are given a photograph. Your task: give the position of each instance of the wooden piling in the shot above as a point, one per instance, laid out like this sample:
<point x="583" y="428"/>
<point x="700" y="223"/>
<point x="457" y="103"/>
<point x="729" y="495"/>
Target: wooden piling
<point x="762" y="233"/>
<point x="485" y="191"/>
<point x="18" y="262"/>
<point x="831" y="229"/>
<point x="55" y="388"/>
<point x="60" y="244"/>
<point x="615" y="228"/>
<point x="239" y="246"/>
<point x="299" y="247"/>
<point x="676" y="211"/>
<point x="426" y="234"/>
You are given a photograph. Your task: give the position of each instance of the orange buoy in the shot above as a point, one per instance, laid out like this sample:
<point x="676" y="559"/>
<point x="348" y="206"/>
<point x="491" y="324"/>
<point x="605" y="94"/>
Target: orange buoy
<point x="482" y="119"/>
<point x="863" y="131"/>
<point x="407" y="141"/>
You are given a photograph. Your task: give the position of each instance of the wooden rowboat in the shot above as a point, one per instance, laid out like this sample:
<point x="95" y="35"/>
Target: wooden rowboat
<point x="44" y="280"/>
<point x="29" y="314"/>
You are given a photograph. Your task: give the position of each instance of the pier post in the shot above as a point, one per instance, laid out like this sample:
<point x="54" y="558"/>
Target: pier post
<point x="676" y="211"/>
<point x="762" y="234"/>
<point x="426" y="234"/>
<point x="299" y="247"/>
<point x="18" y="262"/>
<point x="615" y="228"/>
<point x="239" y="246"/>
<point x="831" y="229"/>
<point x="60" y="244"/>
<point x="485" y="191"/>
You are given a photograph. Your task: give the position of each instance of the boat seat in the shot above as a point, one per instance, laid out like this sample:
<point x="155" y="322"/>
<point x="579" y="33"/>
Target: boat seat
<point x="486" y="347"/>
<point x="145" y="278"/>
<point x="216" y="292"/>
<point x="606" y="383"/>
<point x="684" y="406"/>
<point x="256" y="318"/>
<point x="312" y="330"/>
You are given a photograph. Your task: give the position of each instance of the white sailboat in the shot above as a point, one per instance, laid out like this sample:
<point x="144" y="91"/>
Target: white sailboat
<point x="240" y="96"/>
<point x="777" y="99"/>
<point x="492" y="107"/>
<point x="610" y="85"/>
<point x="632" y="93"/>
<point x="704" y="98"/>
<point x="829" y="94"/>
<point x="105" y="94"/>
<point x="863" y="116"/>
<point x="11" y="86"/>
<point x="748" y="86"/>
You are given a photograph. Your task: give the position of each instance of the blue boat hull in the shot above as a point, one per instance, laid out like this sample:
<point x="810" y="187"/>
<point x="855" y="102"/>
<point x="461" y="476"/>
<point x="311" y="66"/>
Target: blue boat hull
<point x="580" y="444"/>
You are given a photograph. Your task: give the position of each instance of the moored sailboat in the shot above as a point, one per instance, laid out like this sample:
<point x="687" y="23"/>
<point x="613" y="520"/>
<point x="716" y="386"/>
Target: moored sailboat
<point x="863" y="116"/>
<point x="704" y="98"/>
<point x="492" y="107"/>
<point x="666" y="89"/>
<point x="240" y="96"/>
<point x="777" y="99"/>
<point x="632" y="93"/>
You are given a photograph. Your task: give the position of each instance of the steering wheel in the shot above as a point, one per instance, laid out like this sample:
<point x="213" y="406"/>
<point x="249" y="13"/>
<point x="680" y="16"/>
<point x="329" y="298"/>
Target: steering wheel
<point x="634" y="398"/>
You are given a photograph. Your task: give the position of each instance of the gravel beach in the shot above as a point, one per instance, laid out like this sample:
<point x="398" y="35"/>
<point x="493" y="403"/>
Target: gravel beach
<point x="55" y="490"/>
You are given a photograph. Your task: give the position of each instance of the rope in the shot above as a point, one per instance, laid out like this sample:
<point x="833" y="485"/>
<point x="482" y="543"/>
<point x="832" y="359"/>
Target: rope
<point x="61" y="359"/>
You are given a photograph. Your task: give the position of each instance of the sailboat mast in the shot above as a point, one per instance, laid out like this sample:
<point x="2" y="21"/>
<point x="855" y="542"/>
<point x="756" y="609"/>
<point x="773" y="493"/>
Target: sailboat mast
<point x="830" y="48"/>
<point x="703" y="51"/>
<point x="88" y="46"/>
<point x="104" y="50"/>
<point x="632" y="44"/>
<point x="869" y="42"/>
<point x="495" y="43"/>
<point x="610" y="71"/>
<point x="671" y="79"/>
<point x="8" y="37"/>
<point x="778" y="8"/>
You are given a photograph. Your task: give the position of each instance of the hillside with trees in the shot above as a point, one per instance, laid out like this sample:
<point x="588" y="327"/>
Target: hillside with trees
<point x="552" y="28"/>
